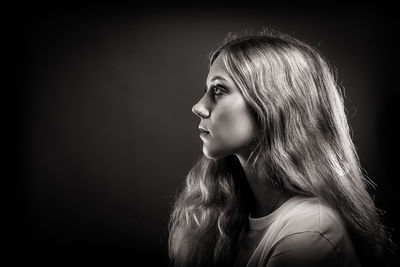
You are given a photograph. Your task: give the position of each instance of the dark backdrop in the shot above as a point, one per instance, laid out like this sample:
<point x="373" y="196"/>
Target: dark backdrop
<point x="105" y="133"/>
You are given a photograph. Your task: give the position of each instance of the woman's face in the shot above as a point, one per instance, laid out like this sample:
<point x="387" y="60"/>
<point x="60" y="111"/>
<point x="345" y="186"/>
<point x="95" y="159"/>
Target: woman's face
<point x="226" y="125"/>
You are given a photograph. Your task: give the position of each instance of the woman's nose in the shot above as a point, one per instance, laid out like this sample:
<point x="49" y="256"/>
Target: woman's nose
<point x="200" y="110"/>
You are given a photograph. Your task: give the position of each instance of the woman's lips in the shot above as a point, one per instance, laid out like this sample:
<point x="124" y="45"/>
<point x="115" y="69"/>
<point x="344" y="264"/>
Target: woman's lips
<point x="203" y="131"/>
<point x="204" y="136"/>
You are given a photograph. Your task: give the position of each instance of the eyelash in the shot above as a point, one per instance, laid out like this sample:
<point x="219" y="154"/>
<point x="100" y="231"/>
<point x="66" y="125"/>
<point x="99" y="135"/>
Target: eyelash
<point x="216" y="90"/>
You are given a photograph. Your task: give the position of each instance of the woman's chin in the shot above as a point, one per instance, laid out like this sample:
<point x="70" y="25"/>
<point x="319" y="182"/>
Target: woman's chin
<point x="213" y="154"/>
<point x="209" y="153"/>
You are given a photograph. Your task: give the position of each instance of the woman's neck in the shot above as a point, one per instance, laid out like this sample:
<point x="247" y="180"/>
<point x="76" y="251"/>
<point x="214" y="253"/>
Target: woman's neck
<point x="266" y="197"/>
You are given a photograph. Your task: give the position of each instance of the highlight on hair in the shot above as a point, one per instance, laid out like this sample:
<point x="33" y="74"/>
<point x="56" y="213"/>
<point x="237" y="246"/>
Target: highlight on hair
<point x="303" y="144"/>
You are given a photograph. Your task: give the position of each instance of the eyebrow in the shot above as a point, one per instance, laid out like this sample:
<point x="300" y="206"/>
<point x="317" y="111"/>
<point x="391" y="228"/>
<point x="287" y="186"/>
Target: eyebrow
<point x="218" y="77"/>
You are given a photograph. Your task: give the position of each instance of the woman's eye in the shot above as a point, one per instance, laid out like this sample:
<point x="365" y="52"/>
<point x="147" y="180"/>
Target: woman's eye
<point x="217" y="90"/>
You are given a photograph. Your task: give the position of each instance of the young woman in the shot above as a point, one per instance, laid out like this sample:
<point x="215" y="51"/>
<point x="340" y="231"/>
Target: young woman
<point x="280" y="182"/>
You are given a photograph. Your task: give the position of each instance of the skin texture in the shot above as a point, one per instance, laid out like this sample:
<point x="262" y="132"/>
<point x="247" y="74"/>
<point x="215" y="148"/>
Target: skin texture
<point x="225" y="114"/>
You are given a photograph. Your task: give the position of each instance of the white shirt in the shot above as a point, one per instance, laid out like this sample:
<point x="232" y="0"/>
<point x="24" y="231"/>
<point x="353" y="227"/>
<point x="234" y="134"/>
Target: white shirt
<point x="301" y="232"/>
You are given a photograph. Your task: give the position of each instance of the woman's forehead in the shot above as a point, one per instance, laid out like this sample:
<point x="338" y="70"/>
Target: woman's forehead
<point x="218" y="71"/>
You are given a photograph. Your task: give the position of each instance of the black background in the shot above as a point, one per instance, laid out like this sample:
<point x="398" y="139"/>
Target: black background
<point x="103" y="134"/>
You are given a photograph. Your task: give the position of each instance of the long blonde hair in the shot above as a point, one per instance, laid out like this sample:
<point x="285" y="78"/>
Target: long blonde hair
<point x="303" y="144"/>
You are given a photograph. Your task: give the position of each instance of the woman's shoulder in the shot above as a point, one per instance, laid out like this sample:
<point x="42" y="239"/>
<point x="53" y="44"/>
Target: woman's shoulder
<point x="311" y="227"/>
<point x="309" y="214"/>
<point x="308" y="232"/>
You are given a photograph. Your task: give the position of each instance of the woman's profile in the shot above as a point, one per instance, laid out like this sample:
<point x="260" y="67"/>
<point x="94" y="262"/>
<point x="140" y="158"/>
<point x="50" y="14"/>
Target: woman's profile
<point x="279" y="182"/>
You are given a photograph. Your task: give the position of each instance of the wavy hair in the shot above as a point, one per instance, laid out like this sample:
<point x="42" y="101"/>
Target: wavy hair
<point x="302" y="144"/>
